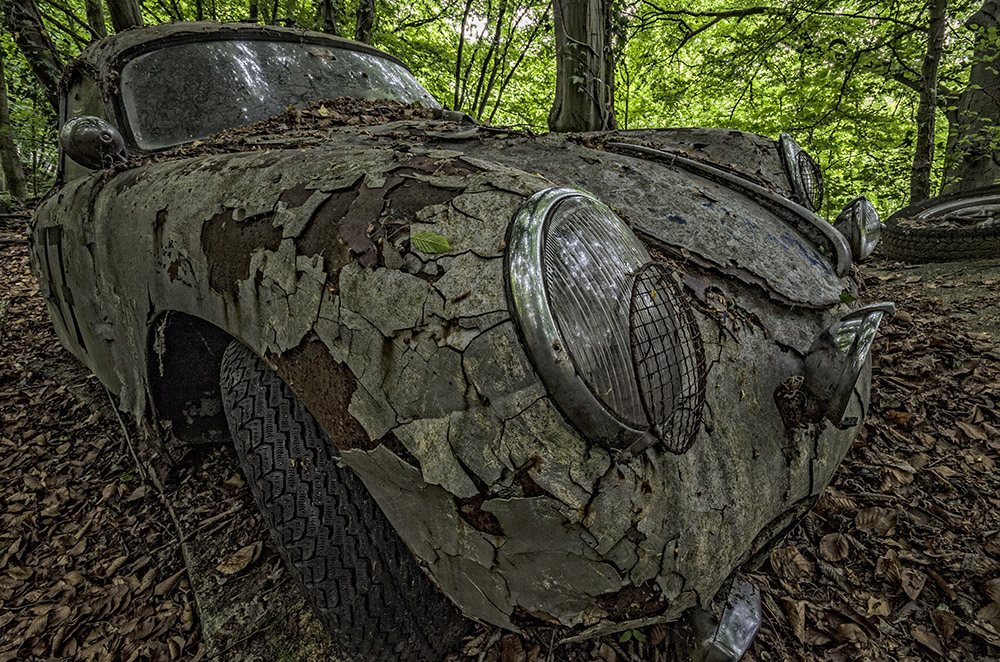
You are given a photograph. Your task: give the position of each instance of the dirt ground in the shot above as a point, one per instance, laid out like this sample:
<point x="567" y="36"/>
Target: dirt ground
<point x="899" y="561"/>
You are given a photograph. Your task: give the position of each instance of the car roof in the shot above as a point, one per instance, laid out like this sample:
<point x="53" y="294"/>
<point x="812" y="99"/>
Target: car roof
<point x="103" y="58"/>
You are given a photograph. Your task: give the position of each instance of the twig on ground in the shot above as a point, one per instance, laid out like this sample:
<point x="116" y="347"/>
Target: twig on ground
<point x="126" y="438"/>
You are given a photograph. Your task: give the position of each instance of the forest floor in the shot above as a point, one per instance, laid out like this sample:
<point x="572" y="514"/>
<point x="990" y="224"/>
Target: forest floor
<point x="899" y="560"/>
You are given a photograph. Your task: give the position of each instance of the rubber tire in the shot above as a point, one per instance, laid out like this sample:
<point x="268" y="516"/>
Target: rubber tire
<point x="359" y="577"/>
<point x="940" y="244"/>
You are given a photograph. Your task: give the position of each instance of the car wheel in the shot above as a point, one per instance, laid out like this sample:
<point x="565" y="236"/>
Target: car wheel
<point x="360" y="578"/>
<point x="944" y="244"/>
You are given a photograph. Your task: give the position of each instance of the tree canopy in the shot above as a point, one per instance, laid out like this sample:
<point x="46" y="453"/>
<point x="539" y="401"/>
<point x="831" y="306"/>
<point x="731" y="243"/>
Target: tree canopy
<point x="894" y="98"/>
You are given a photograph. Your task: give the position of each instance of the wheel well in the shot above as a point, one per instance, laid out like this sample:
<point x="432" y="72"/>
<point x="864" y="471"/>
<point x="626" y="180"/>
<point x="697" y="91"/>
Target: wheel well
<point x="184" y="357"/>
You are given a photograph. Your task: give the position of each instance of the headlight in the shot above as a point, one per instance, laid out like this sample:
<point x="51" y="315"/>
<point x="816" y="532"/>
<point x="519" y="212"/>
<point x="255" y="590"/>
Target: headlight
<point x="860" y="225"/>
<point x="607" y="328"/>
<point x="803" y="172"/>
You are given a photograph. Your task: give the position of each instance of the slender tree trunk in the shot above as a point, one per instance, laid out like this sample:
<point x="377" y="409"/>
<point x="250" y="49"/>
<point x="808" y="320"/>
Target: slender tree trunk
<point x="25" y="23"/>
<point x="974" y="136"/>
<point x="254" y="10"/>
<point x="124" y="14"/>
<point x="584" y="99"/>
<point x="13" y="172"/>
<point x="524" y="51"/>
<point x="199" y="10"/>
<point x="923" y="155"/>
<point x="492" y="57"/>
<point x="458" y="56"/>
<point x="328" y="12"/>
<point x="95" y="18"/>
<point x="366" y="21"/>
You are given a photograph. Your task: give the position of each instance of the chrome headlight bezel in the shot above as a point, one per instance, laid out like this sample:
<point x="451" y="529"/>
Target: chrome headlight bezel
<point x="592" y="306"/>
<point x="859" y="223"/>
<point x="804" y="173"/>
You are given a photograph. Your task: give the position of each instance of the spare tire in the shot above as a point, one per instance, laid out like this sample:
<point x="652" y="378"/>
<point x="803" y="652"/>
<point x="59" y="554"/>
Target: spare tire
<point x="904" y="240"/>
<point x="359" y="577"/>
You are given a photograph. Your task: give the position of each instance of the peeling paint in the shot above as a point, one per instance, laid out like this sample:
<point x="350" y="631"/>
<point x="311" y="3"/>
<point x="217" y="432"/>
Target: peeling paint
<point x="410" y="362"/>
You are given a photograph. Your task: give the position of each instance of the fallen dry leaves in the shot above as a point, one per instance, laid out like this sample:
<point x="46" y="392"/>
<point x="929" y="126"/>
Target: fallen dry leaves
<point x="89" y="565"/>
<point x="906" y="540"/>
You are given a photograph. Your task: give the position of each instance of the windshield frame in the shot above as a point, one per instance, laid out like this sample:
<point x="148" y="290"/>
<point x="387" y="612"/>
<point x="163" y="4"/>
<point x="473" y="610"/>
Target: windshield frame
<point x="243" y="34"/>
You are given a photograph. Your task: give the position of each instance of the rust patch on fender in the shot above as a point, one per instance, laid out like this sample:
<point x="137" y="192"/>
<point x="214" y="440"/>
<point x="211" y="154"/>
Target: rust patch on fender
<point x="229" y="241"/>
<point x="412" y="196"/>
<point x="296" y="196"/>
<point x="320" y="234"/>
<point x="471" y="510"/>
<point x="325" y="387"/>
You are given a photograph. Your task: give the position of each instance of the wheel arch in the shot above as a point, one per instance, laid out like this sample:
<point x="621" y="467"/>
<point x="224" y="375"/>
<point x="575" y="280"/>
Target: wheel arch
<point x="183" y="356"/>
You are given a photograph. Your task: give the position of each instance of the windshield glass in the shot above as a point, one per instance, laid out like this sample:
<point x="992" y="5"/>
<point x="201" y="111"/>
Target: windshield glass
<point x="189" y="91"/>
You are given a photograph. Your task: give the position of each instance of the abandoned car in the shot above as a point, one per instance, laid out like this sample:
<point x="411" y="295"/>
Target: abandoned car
<point x="580" y="379"/>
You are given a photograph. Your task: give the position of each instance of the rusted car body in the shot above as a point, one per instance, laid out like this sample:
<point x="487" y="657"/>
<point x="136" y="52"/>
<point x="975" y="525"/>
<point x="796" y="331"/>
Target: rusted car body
<point x="527" y="478"/>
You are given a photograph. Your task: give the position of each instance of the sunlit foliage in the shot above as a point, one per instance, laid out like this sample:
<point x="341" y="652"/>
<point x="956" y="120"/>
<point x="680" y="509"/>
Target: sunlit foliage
<point x="840" y="76"/>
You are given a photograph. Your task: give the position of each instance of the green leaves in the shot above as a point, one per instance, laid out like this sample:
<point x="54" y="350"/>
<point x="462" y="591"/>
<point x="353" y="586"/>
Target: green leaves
<point x="632" y="634"/>
<point x="429" y="242"/>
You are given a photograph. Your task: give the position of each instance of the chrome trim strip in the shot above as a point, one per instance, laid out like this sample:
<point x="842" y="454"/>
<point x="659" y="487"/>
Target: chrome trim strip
<point x="803" y="220"/>
<point x="524" y="267"/>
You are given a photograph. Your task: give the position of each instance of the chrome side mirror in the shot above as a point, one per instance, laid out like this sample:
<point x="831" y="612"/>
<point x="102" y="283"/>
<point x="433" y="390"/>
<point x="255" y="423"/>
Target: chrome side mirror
<point x="837" y="356"/>
<point x="92" y="142"/>
<point x="860" y="225"/>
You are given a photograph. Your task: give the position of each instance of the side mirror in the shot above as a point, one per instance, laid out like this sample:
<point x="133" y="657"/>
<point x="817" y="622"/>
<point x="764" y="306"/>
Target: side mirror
<point x="92" y="142"/>
<point x="836" y="357"/>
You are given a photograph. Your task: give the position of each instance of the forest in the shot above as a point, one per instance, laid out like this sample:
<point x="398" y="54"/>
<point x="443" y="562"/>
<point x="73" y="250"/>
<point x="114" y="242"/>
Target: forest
<point x="895" y="99"/>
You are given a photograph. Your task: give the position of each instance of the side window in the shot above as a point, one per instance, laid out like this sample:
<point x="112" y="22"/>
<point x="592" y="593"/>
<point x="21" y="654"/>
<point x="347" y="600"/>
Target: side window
<point x="83" y="98"/>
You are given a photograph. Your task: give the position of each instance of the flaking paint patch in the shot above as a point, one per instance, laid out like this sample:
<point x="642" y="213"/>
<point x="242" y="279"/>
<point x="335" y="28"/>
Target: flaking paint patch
<point x="284" y="290"/>
<point x="408" y="294"/>
<point x="438" y="465"/>
<point x="500" y="372"/>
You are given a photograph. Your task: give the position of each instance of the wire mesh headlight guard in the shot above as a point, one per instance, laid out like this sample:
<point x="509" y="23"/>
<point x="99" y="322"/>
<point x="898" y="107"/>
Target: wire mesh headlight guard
<point x="608" y="329"/>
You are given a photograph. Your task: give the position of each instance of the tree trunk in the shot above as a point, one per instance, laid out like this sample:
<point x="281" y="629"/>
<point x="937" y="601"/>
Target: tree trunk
<point x="584" y="98"/>
<point x="95" y="19"/>
<point x="124" y="14"/>
<point x="25" y="23"/>
<point x="328" y="11"/>
<point x="923" y="156"/>
<point x="13" y="172"/>
<point x="974" y="137"/>
<point x="366" y="21"/>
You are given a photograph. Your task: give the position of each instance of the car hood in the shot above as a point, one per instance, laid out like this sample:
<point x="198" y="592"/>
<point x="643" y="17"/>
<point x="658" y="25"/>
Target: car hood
<point x="681" y="194"/>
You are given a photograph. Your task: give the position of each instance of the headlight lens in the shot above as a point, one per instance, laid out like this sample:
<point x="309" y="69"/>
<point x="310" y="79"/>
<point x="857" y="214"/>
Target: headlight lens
<point x="860" y="225"/>
<point x="804" y="173"/>
<point x="607" y="328"/>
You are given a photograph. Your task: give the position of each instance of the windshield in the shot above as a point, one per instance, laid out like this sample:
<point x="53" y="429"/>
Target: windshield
<point x="185" y="92"/>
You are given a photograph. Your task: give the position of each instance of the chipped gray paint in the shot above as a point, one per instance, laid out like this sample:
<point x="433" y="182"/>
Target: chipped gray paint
<point x="437" y="363"/>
